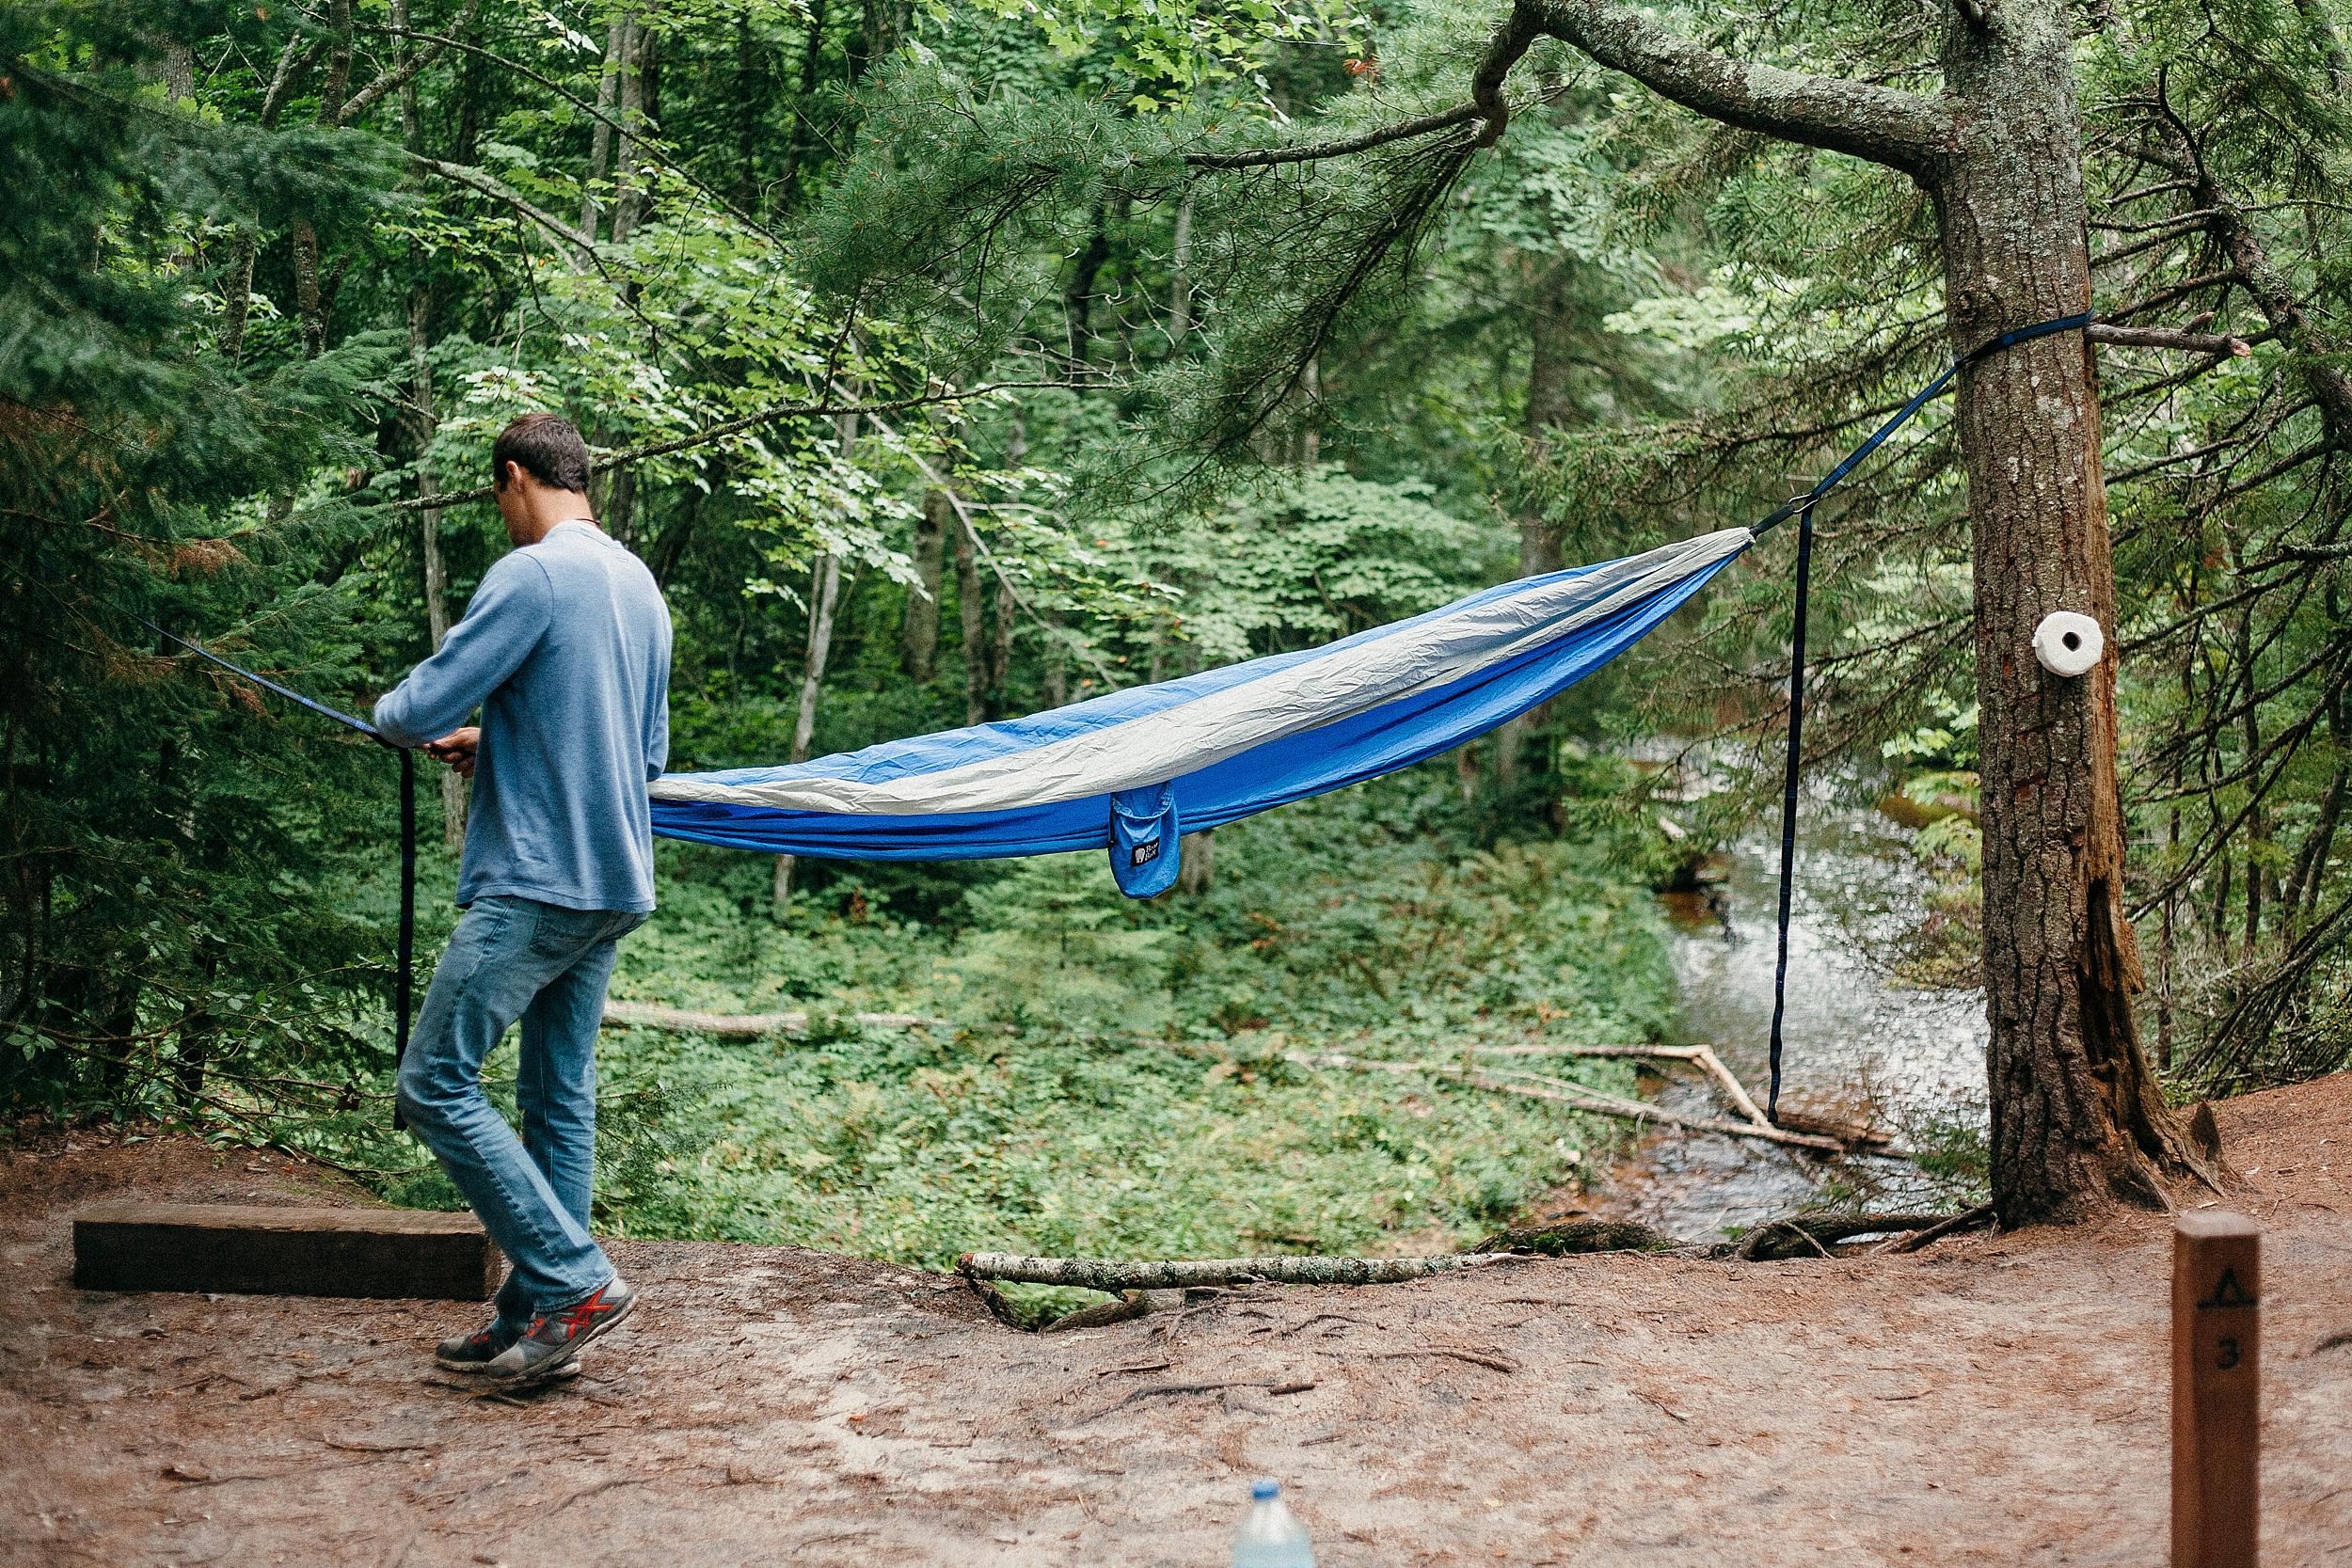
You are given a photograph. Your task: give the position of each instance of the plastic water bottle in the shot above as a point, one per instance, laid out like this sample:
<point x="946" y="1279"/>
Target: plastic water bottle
<point x="1271" y="1537"/>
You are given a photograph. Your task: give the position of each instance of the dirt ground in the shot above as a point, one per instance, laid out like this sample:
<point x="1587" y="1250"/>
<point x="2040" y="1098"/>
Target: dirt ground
<point x="1994" y="1400"/>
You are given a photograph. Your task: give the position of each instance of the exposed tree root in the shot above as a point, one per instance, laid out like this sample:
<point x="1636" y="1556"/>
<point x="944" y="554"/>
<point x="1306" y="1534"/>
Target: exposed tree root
<point x="1805" y="1235"/>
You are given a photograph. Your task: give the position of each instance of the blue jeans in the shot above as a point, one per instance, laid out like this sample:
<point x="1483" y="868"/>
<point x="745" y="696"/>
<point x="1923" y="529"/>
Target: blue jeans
<point x="510" y="958"/>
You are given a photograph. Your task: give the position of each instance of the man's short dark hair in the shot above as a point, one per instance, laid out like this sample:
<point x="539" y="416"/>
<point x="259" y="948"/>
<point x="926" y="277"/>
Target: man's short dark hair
<point x="549" y="449"/>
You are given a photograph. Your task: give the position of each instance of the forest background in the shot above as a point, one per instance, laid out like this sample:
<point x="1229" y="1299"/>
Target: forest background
<point x="957" y="361"/>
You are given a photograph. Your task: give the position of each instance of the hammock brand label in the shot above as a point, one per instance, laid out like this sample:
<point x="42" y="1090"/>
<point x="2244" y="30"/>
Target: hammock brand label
<point x="1143" y="829"/>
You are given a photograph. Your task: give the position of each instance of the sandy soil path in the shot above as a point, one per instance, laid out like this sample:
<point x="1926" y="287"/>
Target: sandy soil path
<point x="1997" y="1400"/>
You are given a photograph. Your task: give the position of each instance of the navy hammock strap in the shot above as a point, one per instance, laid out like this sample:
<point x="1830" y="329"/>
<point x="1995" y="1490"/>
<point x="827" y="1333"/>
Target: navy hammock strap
<point x="404" y="971"/>
<point x="1801" y="510"/>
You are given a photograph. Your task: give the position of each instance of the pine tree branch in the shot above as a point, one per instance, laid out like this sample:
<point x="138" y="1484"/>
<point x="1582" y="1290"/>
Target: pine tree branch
<point x="1883" y="125"/>
<point x="2167" y="337"/>
<point x="1339" y="146"/>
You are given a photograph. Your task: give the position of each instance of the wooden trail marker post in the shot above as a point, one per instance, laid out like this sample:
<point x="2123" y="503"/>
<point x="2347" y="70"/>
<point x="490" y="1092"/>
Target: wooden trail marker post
<point x="2216" y="1388"/>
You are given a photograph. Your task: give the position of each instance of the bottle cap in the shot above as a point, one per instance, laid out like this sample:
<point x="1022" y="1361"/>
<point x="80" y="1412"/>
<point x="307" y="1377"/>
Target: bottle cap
<point x="1265" y="1491"/>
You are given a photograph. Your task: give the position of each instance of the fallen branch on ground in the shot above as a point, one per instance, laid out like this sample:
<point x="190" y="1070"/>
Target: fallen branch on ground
<point x="1162" y="1391"/>
<point x="1578" y="1097"/>
<point x="1115" y="1275"/>
<point x="640" y="1015"/>
<point x="1571" y="1238"/>
<point x="1966" y="1219"/>
<point x="1492" y="1360"/>
<point x="1800" y="1234"/>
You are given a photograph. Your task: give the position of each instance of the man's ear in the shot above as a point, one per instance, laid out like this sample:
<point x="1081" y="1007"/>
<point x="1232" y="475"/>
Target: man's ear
<point x="511" y="475"/>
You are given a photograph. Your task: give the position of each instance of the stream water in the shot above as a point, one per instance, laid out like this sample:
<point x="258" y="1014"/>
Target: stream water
<point x="1861" y="1044"/>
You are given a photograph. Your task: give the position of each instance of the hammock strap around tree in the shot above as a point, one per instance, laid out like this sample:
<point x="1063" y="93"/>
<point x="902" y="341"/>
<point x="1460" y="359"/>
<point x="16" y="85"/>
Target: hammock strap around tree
<point x="1801" y="510"/>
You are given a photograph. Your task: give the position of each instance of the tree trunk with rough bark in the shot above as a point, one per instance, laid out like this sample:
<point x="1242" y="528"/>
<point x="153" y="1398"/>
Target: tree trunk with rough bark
<point x="2076" y="1111"/>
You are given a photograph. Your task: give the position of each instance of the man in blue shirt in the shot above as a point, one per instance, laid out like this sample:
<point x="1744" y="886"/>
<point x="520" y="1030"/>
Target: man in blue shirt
<point x="565" y="650"/>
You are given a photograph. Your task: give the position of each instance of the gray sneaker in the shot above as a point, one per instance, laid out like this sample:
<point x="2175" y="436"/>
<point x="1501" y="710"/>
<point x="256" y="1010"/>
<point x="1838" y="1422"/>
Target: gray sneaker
<point x="555" y="1337"/>
<point x="473" y="1353"/>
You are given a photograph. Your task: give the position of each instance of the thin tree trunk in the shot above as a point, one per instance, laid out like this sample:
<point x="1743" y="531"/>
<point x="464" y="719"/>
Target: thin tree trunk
<point x="638" y="66"/>
<point x="2324" y="33"/>
<point x="1078" y="294"/>
<point x="2076" y="1111"/>
<point x="239" y="283"/>
<point x="310" y="300"/>
<point x="2251" y="732"/>
<point x="1309" y="446"/>
<point x="1197" y="871"/>
<point x="1057" y="663"/>
<point x="239" y="298"/>
<point x="424" y="419"/>
<point x="822" y="603"/>
<point x="828" y="595"/>
<point x="799" y="146"/>
<point x="918" y="630"/>
<point x="1548" y="409"/>
<point x="600" y="130"/>
<point x="2299" y="899"/>
<point x="1003" y="624"/>
<point x="972" y="613"/>
<point x="748" y="99"/>
<point x="881" y="25"/>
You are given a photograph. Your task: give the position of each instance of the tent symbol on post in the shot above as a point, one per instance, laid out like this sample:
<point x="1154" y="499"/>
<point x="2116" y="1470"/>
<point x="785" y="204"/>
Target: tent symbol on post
<point x="2227" y="1294"/>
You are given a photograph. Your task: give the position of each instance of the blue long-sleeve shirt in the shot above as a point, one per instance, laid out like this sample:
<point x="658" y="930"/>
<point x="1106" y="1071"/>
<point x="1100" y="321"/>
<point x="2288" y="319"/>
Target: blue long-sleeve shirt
<point x="566" y="649"/>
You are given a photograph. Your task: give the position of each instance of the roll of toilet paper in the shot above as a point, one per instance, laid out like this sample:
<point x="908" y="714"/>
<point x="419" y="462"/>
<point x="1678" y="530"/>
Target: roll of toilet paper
<point x="2068" y="643"/>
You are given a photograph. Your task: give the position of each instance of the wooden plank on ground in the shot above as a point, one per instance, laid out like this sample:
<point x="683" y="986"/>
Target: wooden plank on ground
<point x="244" y="1249"/>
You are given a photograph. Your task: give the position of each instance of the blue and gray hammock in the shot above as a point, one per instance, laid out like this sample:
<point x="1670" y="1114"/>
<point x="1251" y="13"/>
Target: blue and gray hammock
<point x="1132" y="770"/>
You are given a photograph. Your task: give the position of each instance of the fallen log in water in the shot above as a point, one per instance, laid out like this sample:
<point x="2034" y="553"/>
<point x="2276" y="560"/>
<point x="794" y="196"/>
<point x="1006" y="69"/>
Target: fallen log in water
<point x="1701" y="1056"/>
<point x="1112" y="1274"/>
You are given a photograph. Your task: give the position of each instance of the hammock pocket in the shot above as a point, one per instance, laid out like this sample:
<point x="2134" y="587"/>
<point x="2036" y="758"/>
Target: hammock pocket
<point x="1132" y="770"/>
